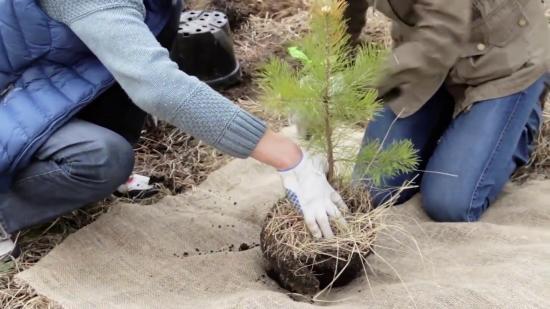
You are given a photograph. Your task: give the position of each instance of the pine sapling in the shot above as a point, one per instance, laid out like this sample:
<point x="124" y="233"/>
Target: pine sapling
<point x="327" y="86"/>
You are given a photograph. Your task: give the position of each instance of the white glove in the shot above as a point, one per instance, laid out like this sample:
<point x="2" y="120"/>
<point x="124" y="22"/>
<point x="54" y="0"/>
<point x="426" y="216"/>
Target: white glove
<point x="307" y="187"/>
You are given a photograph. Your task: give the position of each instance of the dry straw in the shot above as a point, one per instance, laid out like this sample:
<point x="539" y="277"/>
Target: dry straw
<point x="309" y="266"/>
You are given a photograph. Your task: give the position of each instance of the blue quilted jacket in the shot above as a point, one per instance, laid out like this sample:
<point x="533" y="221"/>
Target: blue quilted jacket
<point x="47" y="75"/>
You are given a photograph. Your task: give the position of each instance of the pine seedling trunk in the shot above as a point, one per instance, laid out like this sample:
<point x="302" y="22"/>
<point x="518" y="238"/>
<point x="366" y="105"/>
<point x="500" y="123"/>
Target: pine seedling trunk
<point x="328" y="126"/>
<point x="329" y="144"/>
<point x="327" y="101"/>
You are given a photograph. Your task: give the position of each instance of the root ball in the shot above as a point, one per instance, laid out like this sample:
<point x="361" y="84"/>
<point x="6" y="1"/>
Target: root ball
<point x="304" y="265"/>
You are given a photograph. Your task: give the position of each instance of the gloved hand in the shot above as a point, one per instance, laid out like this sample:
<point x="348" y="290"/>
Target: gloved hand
<point x="307" y="187"/>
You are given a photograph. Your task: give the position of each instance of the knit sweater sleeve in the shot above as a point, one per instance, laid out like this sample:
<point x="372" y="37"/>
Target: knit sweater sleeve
<point x="118" y="36"/>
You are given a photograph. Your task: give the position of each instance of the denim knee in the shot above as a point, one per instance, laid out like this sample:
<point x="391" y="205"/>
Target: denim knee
<point x="105" y="163"/>
<point x="447" y="204"/>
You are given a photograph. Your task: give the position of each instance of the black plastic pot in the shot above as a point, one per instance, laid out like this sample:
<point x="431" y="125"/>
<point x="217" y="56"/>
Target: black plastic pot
<point x="204" y="48"/>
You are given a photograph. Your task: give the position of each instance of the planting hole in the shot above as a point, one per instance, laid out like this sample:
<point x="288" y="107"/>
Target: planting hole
<point x="186" y="34"/>
<point x="198" y="30"/>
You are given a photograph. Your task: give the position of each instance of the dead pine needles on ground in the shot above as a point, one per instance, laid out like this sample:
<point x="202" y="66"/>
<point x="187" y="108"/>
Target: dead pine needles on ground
<point x="539" y="164"/>
<point x="175" y="161"/>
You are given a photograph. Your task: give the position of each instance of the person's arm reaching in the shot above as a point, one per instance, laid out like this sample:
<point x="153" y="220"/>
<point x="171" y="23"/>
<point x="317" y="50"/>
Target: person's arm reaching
<point x="120" y="39"/>
<point x="124" y="44"/>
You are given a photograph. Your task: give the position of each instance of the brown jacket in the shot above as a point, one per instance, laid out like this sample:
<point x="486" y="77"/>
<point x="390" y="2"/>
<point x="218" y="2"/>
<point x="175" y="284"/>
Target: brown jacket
<point x="478" y="49"/>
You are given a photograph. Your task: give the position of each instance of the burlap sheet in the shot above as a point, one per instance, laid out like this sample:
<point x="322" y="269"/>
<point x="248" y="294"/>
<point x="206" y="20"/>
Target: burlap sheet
<point x="166" y="255"/>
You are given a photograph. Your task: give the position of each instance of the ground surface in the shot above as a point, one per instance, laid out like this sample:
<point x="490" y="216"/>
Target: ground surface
<point x="180" y="162"/>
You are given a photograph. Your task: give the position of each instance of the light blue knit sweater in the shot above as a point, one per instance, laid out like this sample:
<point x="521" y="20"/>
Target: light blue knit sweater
<point x="115" y="32"/>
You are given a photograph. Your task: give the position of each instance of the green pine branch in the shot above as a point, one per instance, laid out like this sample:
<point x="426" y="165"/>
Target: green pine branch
<point x="377" y="163"/>
<point x="327" y="85"/>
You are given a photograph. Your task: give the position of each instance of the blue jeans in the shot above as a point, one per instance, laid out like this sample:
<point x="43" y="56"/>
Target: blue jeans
<point x="466" y="161"/>
<point x="80" y="164"/>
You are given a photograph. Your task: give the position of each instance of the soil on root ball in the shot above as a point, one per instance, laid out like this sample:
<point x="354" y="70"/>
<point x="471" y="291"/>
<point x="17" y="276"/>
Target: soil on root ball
<point x="300" y="264"/>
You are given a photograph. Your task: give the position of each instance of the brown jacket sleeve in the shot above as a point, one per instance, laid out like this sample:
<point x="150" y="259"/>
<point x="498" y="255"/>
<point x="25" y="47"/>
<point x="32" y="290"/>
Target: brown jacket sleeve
<point x="425" y="52"/>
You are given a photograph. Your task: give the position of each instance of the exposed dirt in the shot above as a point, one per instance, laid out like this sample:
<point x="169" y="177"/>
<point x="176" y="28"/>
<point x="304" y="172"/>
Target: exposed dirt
<point x="308" y="269"/>
<point x="292" y="276"/>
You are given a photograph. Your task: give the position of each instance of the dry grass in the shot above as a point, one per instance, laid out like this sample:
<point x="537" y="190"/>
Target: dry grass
<point x="263" y="37"/>
<point x="285" y="225"/>
<point x="541" y="159"/>
<point x="175" y="160"/>
<point x="539" y="165"/>
<point x="306" y="266"/>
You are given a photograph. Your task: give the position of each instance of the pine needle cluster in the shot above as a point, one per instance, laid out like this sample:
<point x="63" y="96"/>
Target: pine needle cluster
<point x="328" y="85"/>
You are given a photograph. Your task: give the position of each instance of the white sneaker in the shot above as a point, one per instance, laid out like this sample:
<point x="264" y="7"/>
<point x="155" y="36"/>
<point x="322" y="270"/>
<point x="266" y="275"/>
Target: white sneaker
<point x="136" y="183"/>
<point x="137" y="186"/>
<point x="7" y="249"/>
